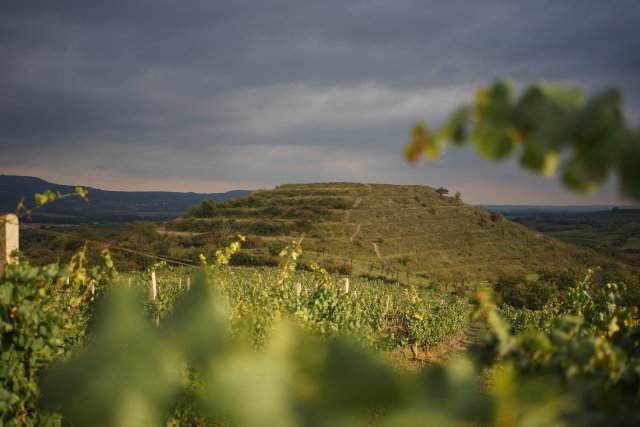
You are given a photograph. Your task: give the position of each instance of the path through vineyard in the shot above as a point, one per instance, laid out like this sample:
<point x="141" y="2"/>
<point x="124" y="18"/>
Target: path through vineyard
<point x="455" y="349"/>
<point x="472" y="335"/>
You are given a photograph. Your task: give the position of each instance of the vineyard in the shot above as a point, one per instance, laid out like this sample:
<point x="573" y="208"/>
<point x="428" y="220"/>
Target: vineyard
<point x="378" y="315"/>
<point x="584" y="243"/>
<point x="285" y="346"/>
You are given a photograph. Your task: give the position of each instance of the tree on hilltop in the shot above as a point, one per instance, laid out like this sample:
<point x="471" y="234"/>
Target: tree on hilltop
<point x="442" y="191"/>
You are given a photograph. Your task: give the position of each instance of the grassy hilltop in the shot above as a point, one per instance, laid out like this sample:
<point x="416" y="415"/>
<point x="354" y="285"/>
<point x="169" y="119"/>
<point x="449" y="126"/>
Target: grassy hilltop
<point x="381" y="229"/>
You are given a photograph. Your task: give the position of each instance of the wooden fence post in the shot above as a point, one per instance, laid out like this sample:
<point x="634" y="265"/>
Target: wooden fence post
<point x="345" y="284"/>
<point x="9" y="239"/>
<point x="298" y="291"/>
<point x="154" y="289"/>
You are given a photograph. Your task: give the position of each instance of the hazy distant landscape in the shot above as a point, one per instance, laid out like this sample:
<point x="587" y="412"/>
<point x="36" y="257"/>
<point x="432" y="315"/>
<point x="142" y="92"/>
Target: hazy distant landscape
<point x="102" y="205"/>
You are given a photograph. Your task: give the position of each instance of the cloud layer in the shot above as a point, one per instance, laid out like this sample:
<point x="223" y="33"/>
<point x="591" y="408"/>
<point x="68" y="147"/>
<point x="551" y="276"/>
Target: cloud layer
<point x="209" y="96"/>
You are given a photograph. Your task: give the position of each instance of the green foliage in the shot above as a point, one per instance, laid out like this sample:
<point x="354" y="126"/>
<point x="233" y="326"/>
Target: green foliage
<point x="228" y="351"/>
<point x="296" y="380"/>
<point x="33" y="332"/>
<point x="589" y="340"/>
<point x="430" y="320"/>
<point x="517" y="291"/>
<point x="540" y="124"/>
<point x="41" y="318"/>
<point x="199" y="363"/>
<point x="274" y="247"/>
<point x="206" y="208"/>
<point x="42" y="199"/>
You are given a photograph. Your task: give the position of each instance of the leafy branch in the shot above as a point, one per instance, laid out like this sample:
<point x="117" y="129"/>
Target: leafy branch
<point x="550" y="128"/>
<point x="42" y="199"/>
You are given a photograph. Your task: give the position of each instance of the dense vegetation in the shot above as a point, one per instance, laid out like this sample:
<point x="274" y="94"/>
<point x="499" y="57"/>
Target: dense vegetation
<point x="220" y="352"/>
<point x="520" y="291"/>
<point x="44" y="317"/>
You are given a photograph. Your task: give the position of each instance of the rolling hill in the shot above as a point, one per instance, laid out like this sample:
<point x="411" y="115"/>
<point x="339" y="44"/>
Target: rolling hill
<point x="104" y="205"/>
<point x="401" y="231"/>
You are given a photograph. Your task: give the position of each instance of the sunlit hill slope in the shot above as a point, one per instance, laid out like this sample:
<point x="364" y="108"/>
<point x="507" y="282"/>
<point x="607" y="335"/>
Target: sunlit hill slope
<point x="407" y="232"/>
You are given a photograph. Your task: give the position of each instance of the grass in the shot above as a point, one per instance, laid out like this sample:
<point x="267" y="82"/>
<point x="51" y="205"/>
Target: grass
<point x="436" y="239"/>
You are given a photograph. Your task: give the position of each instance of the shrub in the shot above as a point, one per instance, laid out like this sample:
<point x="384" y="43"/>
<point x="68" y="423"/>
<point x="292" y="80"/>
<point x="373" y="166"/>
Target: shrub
<point x="207" y="208"/>
<point x="274" y="247"/>
<point x="345" y="269"/>
<point x="248" y="259"/>
<point x="496" y="216"/>
<point x="516" y="291"/>
<point x="252" y="242"/>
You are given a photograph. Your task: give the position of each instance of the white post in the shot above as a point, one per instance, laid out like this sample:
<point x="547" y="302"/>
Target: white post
<point x="129" y="282"/>
<point x="154" y="289"/>
<point x="188" y="283"/>
<point x="345" y="284"/>
<point x="9" y="239"/>
<point x="298" y="291"/>
<point x="180" y="283"/>
<point x="93" y="290"/>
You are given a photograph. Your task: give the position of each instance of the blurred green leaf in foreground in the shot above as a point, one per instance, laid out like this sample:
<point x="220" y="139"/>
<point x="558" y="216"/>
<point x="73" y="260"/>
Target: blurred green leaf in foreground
<point x="549" y="127"/>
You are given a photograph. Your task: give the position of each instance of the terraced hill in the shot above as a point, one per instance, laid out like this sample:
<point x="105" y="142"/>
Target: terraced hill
<point x="405" y="232"/>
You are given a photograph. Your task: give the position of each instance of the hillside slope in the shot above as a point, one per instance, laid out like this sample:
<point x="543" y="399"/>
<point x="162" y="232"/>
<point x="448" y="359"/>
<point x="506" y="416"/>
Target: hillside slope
<point x="379" y="229"/>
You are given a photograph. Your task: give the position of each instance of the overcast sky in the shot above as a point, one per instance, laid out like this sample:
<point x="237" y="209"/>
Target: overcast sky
<point x="210" y="96"/>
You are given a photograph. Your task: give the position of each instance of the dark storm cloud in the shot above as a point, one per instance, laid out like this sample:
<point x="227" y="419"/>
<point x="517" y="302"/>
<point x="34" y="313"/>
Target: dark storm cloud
<point x="197" y="82"/>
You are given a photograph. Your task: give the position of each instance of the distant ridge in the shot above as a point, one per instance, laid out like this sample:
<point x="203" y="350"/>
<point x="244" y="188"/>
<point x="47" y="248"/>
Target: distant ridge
<point x="103" y="205"/>
<point x="521" y="209"/>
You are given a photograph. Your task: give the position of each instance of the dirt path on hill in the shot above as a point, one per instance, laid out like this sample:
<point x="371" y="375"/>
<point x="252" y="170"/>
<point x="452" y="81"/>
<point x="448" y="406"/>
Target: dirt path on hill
<point x="355" y="205"/>
<point x="375" y="248"/>
<point x="378" y="254"/>
<point x="353" y="236"/>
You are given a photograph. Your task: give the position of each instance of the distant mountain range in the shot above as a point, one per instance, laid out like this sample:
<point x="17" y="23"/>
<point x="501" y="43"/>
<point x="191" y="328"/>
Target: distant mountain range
<point x="102" y="205"/>
<point x="511" y="210"/>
